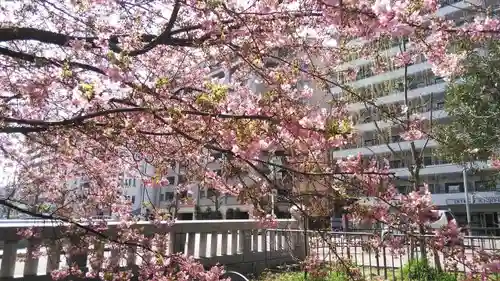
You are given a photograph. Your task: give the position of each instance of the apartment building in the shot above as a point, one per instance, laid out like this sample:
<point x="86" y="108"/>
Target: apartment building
<point x="163" y="194"/>
<point x="380" y="137"/>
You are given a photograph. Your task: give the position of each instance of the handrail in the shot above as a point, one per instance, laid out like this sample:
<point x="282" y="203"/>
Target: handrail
<point x="241" y="276"/>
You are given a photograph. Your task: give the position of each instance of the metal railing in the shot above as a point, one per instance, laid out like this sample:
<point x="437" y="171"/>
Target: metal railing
<point x="370" y="257"/>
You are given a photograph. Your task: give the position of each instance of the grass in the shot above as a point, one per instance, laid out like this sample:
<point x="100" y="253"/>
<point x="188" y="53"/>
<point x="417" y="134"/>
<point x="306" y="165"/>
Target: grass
<point x="300" y="276"/>
<point x="414" y="271"/>
<point x="332" y="276"/>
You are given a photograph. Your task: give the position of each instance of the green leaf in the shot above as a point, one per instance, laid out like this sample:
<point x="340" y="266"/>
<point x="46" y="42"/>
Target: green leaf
<point x="473" y="105"/>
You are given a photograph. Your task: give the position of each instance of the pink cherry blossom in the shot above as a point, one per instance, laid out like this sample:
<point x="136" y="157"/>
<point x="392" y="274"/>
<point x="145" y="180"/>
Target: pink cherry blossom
<point x="495" y="163"/>
<point x="402" y="59"/>
<point x="415" y="129"/>
<point x="87" y="85"/>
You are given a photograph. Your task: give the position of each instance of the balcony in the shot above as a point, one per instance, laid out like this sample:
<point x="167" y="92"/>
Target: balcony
<point x="440" y="169"/>
<point x="416" y="68"/>
<point x="383" y="148"/>
<point x="451" y="6"/>
<point x="370" y="126"/>
<point x="477" y="198"/>
<point x="399" y="96"/>
<point x="490" y="198"/>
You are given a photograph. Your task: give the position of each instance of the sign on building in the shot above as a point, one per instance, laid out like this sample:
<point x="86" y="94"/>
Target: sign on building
<point x="475" y="200"/>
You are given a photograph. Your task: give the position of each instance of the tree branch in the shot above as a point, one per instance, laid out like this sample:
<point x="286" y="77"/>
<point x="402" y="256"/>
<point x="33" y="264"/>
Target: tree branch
<point x="166" y="34"/>
<point x="49" y="37"/>
<point x="32" y="125"/>
<point x="45" y="61"/>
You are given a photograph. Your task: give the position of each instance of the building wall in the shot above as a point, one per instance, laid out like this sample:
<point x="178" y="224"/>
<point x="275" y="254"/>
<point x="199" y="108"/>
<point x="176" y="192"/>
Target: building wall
<point x="426" y="98"/>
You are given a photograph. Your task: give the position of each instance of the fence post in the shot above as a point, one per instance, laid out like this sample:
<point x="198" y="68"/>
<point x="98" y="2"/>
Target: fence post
<point x="300" y="248"/>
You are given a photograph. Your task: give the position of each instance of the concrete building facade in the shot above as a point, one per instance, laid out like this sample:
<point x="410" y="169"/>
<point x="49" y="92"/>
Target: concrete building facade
<point x="380" y="137"/>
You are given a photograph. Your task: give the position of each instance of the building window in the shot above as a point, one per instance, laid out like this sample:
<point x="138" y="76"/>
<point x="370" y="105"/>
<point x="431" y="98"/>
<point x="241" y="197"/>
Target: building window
<point x="201" y="192"/>
<point x="454" y="187"/>
<point x="396" y="138"/>
<point x="438" y="80"/>
<point x="439" y="188"/>
<point x="395" y="164"/>
<point x="441" y="162"/>
<point x="133" y="199"/>
<point x="369" y="142"/>
<point x="402" y="189"/>
<point x="169" y="196"/>
<point x="171" y="180"/>
<point x="217" y="155"/>
<point x="431" y="188"/>
<point x="182" y="179"/>
<point x="427" y="160"/>
<point x="485" y="185"/>
<point x="134" y="182"/>
<point x="162" y="197"/>
<point x="439" y="105"/>
<point x="212" y="192"/>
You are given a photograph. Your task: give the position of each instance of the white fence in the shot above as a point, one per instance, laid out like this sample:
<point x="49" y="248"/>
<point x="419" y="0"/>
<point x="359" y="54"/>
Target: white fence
<point x="240" y="245"/>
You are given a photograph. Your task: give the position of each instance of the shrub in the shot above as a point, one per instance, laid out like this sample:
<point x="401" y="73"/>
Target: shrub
<point x="445" y="276"/>
<point x="421" y="270"/>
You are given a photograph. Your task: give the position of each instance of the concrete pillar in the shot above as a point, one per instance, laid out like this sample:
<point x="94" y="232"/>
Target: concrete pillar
<point x="227" y="75"/>
<point x="300" y="247"/>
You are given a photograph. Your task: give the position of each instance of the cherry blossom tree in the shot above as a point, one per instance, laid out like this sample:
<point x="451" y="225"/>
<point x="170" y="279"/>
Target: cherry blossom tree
<point x="88" y="84"/>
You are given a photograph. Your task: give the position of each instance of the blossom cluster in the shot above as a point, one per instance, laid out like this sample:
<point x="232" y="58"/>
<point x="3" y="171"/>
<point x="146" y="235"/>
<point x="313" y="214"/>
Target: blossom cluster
<point x="87" y="85"/>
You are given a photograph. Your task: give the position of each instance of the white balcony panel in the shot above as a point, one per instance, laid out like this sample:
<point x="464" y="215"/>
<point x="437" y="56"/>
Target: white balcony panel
<point x="370" y="126"/>
<point x="210" y="202"/>
<point x="362" y="61"/>
<point x="233" y="201"/>
<point x="455" y="7"/>
<point x="397" y="97"/>
<point x="416" y="68"/>
<point x="439" y="169"/>
<point x="454" y="199"/>
<point x="383" y="148"/>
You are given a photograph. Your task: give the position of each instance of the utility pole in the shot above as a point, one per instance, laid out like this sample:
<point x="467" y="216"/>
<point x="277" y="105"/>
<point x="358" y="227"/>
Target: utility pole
<point x="466" y="194"/>
<point x="274" y="192"/>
